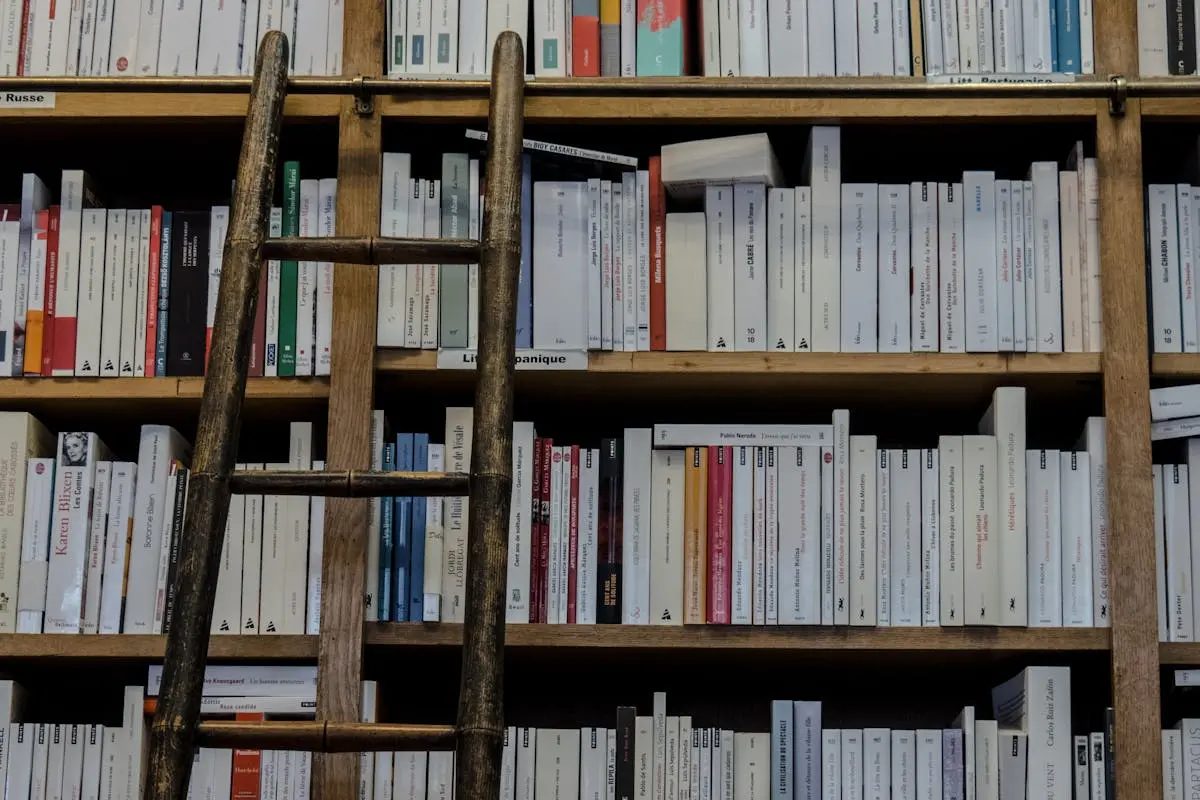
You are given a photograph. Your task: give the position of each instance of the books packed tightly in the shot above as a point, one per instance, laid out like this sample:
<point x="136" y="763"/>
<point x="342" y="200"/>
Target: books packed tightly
<point x="598" y="38"/>
<point x="87" y="291"/>
<point x="794" y="525"/>
<point x="1026" y="751"/>
<point x="90" y="544"/>
<point x="144" y="38"/>
<point x="989" y="264"/>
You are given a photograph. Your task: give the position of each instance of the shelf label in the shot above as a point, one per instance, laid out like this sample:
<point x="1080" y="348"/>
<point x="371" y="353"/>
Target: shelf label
<point x="26" y="99"/>
<point x="526" y="360"/>
<point x="1015" y="77"/>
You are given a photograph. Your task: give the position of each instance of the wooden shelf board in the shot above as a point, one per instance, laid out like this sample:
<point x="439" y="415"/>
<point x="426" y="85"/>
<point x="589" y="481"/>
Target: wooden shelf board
<point x="17" y="390"/>
<point x="1175" y="365"/>
<point x="1179" y="653"/>
<point x="166" y="107"/>
<point x="721" y="637"/>
<point x="150" y="648"/>
<point x="455" y="103"/>
<point x="1172" y="108"/>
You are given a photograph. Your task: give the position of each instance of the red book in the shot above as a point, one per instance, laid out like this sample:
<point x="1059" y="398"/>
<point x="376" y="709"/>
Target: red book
<point x="26" y="31"/>
<point x="720" y="533"/>
<point x="544" y="565"/>
<point x="585" y="39"/>
<point x="258" y="343"/>
<point x="246" y="781"/>
<point x="658" y="257"/>
<point x="573" y="558"/>
<point x="152" y="276"/>
<point x="535" y="547"/>
<point x="49" y="327"/>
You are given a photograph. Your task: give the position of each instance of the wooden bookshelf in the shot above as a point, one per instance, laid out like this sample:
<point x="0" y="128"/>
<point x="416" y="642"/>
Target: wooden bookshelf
<point x="751" y="640"/>
<point x="89" y="648"/>
<point x="1121" y="376"/>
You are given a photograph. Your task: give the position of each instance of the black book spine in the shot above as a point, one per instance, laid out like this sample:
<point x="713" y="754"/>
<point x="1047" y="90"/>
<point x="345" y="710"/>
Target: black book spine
<point x="179" y="506"/>
<point x="626" y="769"/>
<point x="188" y="319"/>
<point x="1110" y="754"/>
<point x="1181" y="37"/>
<point x="608" y="609"/>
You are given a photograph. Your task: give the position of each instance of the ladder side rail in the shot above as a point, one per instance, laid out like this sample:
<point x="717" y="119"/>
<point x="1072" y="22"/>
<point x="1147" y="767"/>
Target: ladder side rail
<point x="481" y="692"/>
<point x="173" y="731"/>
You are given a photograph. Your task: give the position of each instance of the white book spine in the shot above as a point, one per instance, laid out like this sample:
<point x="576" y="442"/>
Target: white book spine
<point x="1038" y="29"/>
<point x="905" y="517"/>
<point x="758" y="609"/>
<point x="845" y="37"/>
<point x="1160" y="553"/>
<point x="1075" y="477"/>
<point x="883" y="538"/>
<point x="10" y="244"/>
<point x="1164" y="273"/>
<point x="1005" y="419"/>
<point x="1047" y="267"/>
<point x="589" y="512"/>
<point x="750" y="280"/>
<point x="74" y="483"/>
<point x="1179" y="556"/>
<point x="1095" y="442"/>
<point x="841" y="517"/>
<point x="904" y="765"/>
<point x="316" y="557"/>
<point x="799" y="535"/>
<point x="863" y="545"/>
<point x="1070" y="257"/>
<point x="92" y="246"/>
<point x="1004" y="266"/>
<point x="595" y="267"/>
<point x="140" y="270"/>
<point x="519" y="526"/>
<point x="752" y="29"/>
<point x="823" y="159"/>
<point x="803" y="280"/>
<point x="953" y="540"/>
<point x="742" y="556"/>
<point x="456" y="513"/>
<point x="116" y="545"/>
<point x="925" y="286"/>
<point x="831" y="764"/>
<point x="306" y="279"/>
<point x="931" y="24"/>
<point x="951" y="273"/>
<point x="1020" y="267"/>
<point x="666" y="537"/>
<point x="781" y="269"/>
<point x="559" y="227"/>
<point x="1094" y="335"/>
<point x="827" y="526"/>
<point x="606" y="265"/>
<point x="1045" y="537"/>
<point x="730" y="37"/>
<point x="719" y="224"/>
<point x="982" y="576"/>
<point x="323" y="351"/>
<point x="98" y="527"/>
<point x="929" y="764"/>
<point x="860" y="267"/>
<point x="391" y="319"/>
<point x="686" y="327"/>
<point x="179" y="45"/>
<point x="434" y="541"/>
<point x="894" y="269"/>
<point x="114" y="283"/>
<point x="771" y="536"/>
<point x="635" y="595"/>
<point x="629" y="259"/>
<point x="1172" y="765"/>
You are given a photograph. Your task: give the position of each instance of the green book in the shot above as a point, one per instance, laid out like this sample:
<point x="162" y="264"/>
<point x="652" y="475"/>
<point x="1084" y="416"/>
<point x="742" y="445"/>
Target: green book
<point x="288" y="272"/>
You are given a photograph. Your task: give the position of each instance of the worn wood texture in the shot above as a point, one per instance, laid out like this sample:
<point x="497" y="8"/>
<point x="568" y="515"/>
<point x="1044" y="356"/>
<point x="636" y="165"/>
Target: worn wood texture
<point x="1131" y="554"/>
<point x="374" y="250"/>
<point x="481" y="689"/>
<point x="351" y="399"/>
<point x="324" y="737"/>
<point x="350" y="483"/>
<point x="172" y="734"/>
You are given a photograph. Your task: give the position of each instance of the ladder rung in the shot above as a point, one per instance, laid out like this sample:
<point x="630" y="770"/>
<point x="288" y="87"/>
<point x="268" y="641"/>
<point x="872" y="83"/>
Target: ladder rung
<point x="324" y="737"/>
<point x="351" y="483"/>
<point x="373" y="250"/>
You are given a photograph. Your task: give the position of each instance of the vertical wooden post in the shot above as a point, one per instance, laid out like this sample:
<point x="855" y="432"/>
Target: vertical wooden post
<point x="1131" y="555"/>
<point x="351" y="399"/>
<point x="481" y="691"/>
<point x="173" y="732"/>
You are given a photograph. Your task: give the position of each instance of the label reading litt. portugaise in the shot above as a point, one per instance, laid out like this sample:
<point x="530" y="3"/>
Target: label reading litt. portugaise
<point x="531" y="360"/>
<point x="26" y="99"/>
<point x="1015" y="77"/>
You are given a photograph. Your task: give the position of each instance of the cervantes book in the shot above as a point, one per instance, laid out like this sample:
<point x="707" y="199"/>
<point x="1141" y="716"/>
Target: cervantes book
<point x="189" y="294"/>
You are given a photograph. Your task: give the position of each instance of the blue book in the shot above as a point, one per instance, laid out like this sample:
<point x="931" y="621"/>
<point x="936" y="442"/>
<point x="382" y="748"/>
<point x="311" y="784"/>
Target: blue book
<point x="164" y="294"/>
<point x="416" y="572"/>
<point x="401" y="532"/>
<point x="1067" y="50"/>
<point x="525" y="281"/>
<point x="1054" y="36"/>
<point x="385" y="542"/>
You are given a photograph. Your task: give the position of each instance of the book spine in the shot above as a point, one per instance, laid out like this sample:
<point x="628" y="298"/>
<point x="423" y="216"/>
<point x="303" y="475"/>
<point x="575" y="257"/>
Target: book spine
<point x="742" y="536"/>
<point x="306" y="280"/>
<point x="571" y="476"/>
<point x="718" y="210"/>
<point x="979" y="262"/>
<point x="117" y="546"/>
<point x="142" y="277"/>
<point x="585" y="38"/>
<point x="94" y="569"/>
<point x="781" y="270"/>
<point x="154" y="276"/>
<point x="860" y="271"/>
<point x="750" y="282"/>
<point x="803" y="277"/>
<point x="53" y="276"/>
<point x="863" y="542"/>
<point x="950" y="238"/>
<point x="610" y="536"/>
<point x="658" y="274"/>
<point x="1020" y="267"/>
<point x="895" y="330"/>
<point x="883" y="537"/>
<point x="720" y="532"/>
<point x="164" y="302"/>
<point x="1047" y="264"/>
<point x="454" y="279"/>
<point x="1004" y="266"/>
<point x="434" y="543"/>
<point x="289" y="273"/>
<point x="92" y="246"/>
<point x="594" y="280"/>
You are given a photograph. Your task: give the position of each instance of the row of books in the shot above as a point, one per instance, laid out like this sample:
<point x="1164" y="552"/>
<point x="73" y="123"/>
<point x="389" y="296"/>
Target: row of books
<point x="984" y="265"/>
<point x="143" y="38"/>
<point x="90" y="544"/>
<point x="801" y="524"/>
<point x="591" y="38"/>
<point x="1172" y="257"/>
<point x="94" y="292"/>
<point x="1168" y="38"/>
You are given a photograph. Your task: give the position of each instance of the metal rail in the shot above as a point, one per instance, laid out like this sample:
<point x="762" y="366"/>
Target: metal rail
<point x="324" y="737"/>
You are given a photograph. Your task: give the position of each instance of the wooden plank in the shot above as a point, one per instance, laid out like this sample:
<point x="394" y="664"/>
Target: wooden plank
<point x="1175" y="365"/>
<point x="418" y="636"/>
<point x="133" y="389"/>
<point x="351" y="399"/>
<point x="120" y="647"/>
<point x="1179" y="653"/>
<point x="748" y="110"/>
<point x="1135" y="672"/>
<point x="165" y="107"/>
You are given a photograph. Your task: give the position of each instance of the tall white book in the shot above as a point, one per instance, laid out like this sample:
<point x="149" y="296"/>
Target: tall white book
<point x="22" y="437"/>
<point x="895" y="330"/>
<point x="1005" y="419"/>
<point x="906" y="537"/>
<point x="980" y="246"/>
<point x="823" y="173"/>
<point x="1094" y="442"/>
<point x="982" y="575"/>
<point x="686" y="326"/>
<point x="116" y="545"/>
<point x="950" y="269"/>
<point x="1177" y="522"/>
<point x="666" y="537"/>
<point x="1047" y="264"/>
<point x="863" y="575"/>
<point x="560" y="243"/>
<point x="781" y="270"/>
<point x="860" y="267"/>
<point x="520" y="527"/>
<point x="952" y="520"/>
<point x="749" y="273"/>
<point x="926" y="315"/>
<point x="159" y="447"/>
<point x="1075" y="480"/>
<point x="718" y="213"/>
<point x="931" y="545"/>
<point x="1038" y="702"/>
<point x="800" y="535"/>
<point x="457" y="459"/>
<point x="35" y="549"/>
<point x="804" y="254"/>
<point x="1045" y="538"/>
<point x="636" y="527"/>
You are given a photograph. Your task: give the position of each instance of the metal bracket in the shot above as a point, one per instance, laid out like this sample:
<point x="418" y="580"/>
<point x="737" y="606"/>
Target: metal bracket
<point x="1116" y="103"/>
<point x="364" y="101"/>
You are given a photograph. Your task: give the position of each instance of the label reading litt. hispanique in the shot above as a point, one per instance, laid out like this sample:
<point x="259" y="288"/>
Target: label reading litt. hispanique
<point x="525" y="360"/>
<point x="27" y="99"/>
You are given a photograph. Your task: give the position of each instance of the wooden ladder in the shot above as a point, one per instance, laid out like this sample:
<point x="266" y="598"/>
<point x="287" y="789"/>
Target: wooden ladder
<point x="478" y="735"/>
